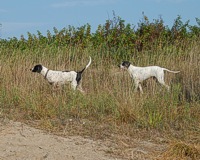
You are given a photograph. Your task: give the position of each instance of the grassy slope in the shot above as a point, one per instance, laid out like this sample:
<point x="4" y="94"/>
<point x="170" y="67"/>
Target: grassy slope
<point x="110" y="105"/>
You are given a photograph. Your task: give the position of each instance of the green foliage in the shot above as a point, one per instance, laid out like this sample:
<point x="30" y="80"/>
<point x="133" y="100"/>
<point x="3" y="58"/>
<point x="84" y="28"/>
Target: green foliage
<point x="114" y="35"/>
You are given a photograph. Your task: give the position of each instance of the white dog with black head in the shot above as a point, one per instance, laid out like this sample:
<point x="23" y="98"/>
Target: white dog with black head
<point x="58" y="78"/>
<point x="139" y="74"/>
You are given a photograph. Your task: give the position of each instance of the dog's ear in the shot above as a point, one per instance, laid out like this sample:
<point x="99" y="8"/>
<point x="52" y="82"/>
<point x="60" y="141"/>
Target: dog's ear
<point x="126" y="64"/>
<point x="37" y="68"/>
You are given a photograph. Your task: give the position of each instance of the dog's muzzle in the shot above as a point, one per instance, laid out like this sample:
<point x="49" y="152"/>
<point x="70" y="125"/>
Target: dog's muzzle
<point x="120" y="66"/>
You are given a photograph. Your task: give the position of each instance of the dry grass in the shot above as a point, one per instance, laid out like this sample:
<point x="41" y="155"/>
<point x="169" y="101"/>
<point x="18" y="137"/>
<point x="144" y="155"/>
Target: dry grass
<point x="110" y="106"/>
<point x="182" y="151"/>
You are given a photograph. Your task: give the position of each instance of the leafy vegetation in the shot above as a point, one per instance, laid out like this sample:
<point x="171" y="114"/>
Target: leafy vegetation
<point x="110" y="106"/>
<point x="115" y="34"/>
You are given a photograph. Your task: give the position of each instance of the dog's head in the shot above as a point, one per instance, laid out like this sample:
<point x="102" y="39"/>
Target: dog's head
<point x="124" y="65"/>
<point x="37" y="68"/>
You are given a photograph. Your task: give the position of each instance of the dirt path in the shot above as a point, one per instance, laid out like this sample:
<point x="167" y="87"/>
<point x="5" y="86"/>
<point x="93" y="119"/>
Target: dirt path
<point x="19" y="141"/>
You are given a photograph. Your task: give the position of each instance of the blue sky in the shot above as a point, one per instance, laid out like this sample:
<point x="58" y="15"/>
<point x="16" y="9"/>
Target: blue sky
<point x="18" y="17"/>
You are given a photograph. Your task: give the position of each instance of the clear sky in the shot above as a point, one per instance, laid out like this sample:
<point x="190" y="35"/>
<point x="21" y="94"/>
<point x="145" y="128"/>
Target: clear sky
<point x="18" y="17"/>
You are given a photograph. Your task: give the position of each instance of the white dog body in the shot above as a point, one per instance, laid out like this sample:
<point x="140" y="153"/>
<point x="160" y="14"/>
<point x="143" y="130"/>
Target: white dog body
<point x="57" y="78"/>
<point x="139" y="74"/>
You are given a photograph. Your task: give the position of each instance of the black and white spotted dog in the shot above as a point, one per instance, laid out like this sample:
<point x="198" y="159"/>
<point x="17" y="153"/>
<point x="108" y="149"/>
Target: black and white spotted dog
<point x="140" y="74"/>
<point x="58" y="78"/>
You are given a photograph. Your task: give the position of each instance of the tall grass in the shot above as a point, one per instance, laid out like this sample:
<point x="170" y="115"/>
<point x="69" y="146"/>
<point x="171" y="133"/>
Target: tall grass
<point x="110" y="97"/>
<point x="110" y="106"/>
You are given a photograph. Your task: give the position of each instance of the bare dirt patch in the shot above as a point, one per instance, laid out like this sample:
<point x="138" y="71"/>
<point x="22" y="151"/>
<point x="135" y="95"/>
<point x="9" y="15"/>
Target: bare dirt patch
<point x="20" y="141"/>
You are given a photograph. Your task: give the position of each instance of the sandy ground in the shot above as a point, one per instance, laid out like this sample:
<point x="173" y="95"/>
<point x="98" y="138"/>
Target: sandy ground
<point x="19" y="141"/>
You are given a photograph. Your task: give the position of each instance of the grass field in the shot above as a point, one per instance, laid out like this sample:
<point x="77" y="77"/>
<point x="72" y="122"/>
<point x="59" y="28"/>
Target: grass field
<point x="109" y="107"/>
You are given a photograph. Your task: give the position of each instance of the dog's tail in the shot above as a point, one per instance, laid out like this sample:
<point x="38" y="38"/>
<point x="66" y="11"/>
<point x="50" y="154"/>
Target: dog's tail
<point x="165" y="69"/>
<point x="86" y="66"/>
<point x="79" y="74"/>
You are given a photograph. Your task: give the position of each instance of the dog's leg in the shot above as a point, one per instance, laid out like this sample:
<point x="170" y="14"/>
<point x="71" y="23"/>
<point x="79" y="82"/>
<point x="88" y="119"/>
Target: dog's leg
<point x="74" y="85"/>
<point x="168" y="87"/>
<point x="79" y="87"/>
<point x="140" y="87"/>
<point x="161" y="81"/>
<point x="136" y="86"/>
<point x="55" y="86"/>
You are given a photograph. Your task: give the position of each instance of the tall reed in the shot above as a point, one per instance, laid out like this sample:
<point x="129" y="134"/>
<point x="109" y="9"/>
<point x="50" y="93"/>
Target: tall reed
<point x="110" y="96"/>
